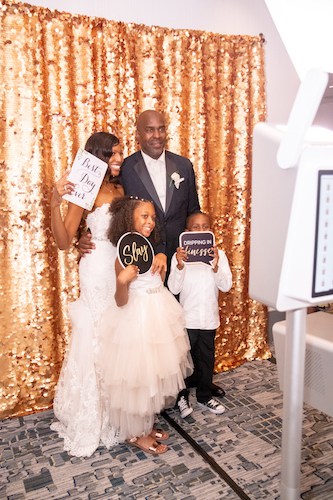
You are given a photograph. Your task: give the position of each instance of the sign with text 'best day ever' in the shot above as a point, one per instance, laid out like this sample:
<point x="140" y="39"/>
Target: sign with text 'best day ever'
<point x="87" y="174"/>
<point x="198" y="246"/>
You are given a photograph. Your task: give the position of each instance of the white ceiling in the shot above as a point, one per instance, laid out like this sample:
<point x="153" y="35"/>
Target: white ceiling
<point x="305" y="27"/>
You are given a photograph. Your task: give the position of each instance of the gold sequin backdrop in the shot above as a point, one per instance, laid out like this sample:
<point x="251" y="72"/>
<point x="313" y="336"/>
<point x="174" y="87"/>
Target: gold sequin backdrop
<point x="63" y="77"/>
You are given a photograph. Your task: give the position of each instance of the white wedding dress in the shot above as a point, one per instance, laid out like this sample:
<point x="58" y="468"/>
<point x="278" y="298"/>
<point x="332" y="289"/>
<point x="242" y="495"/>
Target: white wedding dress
<point x="80" y="403"/>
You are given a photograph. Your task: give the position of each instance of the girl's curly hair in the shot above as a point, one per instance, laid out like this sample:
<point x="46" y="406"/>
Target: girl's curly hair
<point x="122" y="221"/>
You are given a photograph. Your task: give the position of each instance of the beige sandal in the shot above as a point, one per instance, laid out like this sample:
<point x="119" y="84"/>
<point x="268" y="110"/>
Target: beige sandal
<point x="154" y="449"/>
<point x="159" y="434"/>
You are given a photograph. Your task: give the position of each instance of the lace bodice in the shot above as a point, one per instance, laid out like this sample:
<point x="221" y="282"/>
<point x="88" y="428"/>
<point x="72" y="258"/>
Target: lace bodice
<point x="98" y="222"/>
<point x="97" y="271"/>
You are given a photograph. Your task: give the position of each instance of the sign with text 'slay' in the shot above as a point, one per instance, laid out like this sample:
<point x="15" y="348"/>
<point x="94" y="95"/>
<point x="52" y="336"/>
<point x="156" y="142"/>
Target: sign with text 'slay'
<point x="133" y="248"/>
<point x="198" y="246"/>
<point x="87" y="174"/>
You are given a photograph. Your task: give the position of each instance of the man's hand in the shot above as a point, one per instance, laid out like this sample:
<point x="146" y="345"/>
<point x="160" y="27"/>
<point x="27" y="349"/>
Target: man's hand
<point x="85" y="245"/>
<point x="159" y="264"/>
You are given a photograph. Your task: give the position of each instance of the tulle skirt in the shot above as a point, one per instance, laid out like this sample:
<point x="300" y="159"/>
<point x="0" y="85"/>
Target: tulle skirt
<point x="149" y="359"/>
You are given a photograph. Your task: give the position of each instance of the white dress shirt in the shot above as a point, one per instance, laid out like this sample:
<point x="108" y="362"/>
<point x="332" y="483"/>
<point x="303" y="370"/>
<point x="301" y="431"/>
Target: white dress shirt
<point x="157" y="172"/>
<point x="198" y="287"/>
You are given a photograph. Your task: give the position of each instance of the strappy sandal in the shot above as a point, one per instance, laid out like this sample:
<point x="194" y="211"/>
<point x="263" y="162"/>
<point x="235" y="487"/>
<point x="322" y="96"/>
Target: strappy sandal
<point x="159" y="434"/>
<point x="152" y="449"/>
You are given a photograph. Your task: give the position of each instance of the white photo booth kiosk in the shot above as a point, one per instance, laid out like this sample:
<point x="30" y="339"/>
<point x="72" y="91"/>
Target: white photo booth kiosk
<point x="291" y="255"/>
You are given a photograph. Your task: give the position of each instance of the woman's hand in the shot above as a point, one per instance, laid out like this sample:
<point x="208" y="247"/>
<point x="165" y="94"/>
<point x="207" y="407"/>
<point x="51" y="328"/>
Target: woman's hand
<point x="64" y="230"/>
<point x="62" y="186"/>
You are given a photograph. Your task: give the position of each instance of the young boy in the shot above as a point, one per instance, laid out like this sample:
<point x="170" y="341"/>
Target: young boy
<point x="198" y="287"/>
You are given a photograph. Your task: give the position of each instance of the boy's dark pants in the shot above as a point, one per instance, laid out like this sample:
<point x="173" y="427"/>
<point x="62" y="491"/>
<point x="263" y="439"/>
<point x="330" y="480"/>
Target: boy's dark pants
<point x="203" y="355"/>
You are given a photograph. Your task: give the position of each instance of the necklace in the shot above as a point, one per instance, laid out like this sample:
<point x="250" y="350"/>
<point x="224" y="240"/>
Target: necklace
<point x="113" y="189"/>
<point x="109" y="187"/>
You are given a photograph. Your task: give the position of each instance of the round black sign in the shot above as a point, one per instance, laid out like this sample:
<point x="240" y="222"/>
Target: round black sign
<point x="133" y="248"/>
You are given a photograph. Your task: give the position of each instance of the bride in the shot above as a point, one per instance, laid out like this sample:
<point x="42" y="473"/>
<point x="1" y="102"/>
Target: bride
<point x="79" y="403"/>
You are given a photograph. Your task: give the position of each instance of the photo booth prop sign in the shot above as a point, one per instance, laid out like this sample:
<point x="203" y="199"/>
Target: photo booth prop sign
<point x="87" y="174"/>
<point x="198" y="246"/>
<point x="133" y="248"/>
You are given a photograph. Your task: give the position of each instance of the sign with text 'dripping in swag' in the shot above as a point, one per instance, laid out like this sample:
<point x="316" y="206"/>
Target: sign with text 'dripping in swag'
<point x="133" y="248"/>
<point x="87" y="174"/>
<point x="198" y="246"/>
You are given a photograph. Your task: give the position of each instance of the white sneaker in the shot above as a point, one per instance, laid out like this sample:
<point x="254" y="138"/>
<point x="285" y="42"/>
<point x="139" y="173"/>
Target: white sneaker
<point x="184" y="407"/>
<point x="213" y="406"/>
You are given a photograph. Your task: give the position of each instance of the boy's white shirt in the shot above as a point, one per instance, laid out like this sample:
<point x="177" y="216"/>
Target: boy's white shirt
<point x="198" y="288"/>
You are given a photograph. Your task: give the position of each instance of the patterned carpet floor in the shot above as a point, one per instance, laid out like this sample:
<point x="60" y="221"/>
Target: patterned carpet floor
<point x="229" y="456"/>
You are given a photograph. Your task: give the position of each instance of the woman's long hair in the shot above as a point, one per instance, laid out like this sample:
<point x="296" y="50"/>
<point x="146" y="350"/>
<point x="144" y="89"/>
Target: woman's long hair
<point x="100" y="144"/>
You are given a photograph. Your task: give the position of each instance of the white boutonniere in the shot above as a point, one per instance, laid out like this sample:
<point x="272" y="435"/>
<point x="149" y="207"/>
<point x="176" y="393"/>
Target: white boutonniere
<point x="177" y="179"/>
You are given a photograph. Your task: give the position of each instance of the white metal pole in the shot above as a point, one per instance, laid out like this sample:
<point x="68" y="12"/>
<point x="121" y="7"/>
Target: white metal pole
<point x="293" y="390"/>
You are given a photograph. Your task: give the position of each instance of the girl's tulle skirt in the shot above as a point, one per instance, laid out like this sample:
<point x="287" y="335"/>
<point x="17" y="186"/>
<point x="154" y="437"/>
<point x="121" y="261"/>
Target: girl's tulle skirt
<point x="146" y="356"/>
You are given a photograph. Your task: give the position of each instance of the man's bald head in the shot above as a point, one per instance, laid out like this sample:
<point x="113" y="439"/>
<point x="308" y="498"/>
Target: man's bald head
<point x="151" y="132"/>
<point x="147" y="115"/>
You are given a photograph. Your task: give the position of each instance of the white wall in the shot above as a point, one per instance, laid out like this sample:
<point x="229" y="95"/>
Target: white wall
<point x="249" y="17"/>
<point x="305" y="27"/>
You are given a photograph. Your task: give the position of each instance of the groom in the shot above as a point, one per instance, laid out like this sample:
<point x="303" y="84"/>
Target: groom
<point x="163" y="177"/>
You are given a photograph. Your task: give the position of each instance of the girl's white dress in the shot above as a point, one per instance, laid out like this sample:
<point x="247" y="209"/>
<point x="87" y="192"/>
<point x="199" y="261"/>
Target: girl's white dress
<point x="80" y="404"/>
<point x="149" y="358"/>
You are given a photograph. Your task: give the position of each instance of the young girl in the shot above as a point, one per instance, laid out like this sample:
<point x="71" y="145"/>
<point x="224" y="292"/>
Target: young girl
<point x="146" y="336"/>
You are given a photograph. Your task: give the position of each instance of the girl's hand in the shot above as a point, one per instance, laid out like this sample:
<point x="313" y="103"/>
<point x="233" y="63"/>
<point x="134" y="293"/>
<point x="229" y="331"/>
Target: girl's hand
<point x="127" y="275"/>
<point x="62" y="186"/>
<point x="181" y="257"/>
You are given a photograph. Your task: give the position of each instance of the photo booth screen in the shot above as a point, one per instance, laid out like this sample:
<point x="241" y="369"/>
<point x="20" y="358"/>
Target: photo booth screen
<point x="323" y="261"/>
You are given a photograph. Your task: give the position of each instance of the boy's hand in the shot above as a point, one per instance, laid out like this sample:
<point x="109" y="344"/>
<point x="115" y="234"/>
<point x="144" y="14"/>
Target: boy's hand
<point x="215" y="262"/>
<point x="85" y="245"/>
<point x="181" y="257"/>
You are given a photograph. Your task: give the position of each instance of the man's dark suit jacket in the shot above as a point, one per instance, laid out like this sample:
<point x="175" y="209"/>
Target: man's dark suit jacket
<point x="179" y="202"/>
